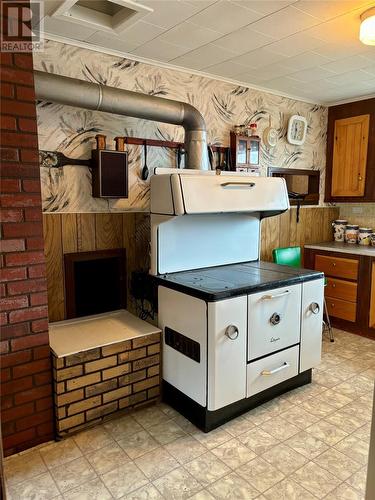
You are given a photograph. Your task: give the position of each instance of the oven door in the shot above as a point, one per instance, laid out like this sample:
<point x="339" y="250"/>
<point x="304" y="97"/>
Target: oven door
<point x="273" y="320"/>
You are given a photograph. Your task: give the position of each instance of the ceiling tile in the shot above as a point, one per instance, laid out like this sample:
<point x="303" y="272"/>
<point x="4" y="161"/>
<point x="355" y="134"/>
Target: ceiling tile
<point x="67" y="29"/>
<point x="272" y="71"/>
<point x="228" y="69"/>
<point x="347" y="64"/>
<point x="296" y="44"/>
<point x="141" y="32"/>
<point x="284" y="23"/>
<point x="351" y="77"/>
<point x="102" y="39"/>
<point x="225" y="16"/>
<point x="243" y="40"/>
<point x="264" y="7"/>
<point x="312" y="74"/>
<point x="343" y="29"/>
<point x="169" y="13"/>
<point x="203" y="57"/>
<point x="201" y="4"/>
<point x="189" y="35"/>
<point x="328" y="9"/>
<point x="162" y="51"/>
<point x="283" y="83"/>
<point x="306" y="60"/>
<point x="259" y="58"/>
<point x="339" y="50"/>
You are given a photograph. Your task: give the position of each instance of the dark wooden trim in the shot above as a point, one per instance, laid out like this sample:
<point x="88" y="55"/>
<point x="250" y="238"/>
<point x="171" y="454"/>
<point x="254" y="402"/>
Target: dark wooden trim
<point x="71" y="258"/>
<point x="312" y="198"/>
<point x="348" y="110"/>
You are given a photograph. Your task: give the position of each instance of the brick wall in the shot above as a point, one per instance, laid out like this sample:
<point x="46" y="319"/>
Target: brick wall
<point x="26" y="405"/>
<point x="93" y="384"/>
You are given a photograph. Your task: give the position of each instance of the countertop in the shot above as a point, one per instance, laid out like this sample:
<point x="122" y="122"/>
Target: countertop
<point x="81" y="334"/>
<point x="333" y="246"/>
<point x="221" y="282"/>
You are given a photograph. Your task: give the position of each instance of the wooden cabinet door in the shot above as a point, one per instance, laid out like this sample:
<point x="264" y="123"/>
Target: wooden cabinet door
<point x="350" y="156"/>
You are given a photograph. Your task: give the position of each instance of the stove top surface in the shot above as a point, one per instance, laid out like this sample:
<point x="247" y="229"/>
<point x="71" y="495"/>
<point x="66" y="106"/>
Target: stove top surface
<point x="216" y="283"/>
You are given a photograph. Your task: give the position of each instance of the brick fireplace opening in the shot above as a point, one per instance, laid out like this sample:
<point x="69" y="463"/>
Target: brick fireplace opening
<point x="95" y="282"/>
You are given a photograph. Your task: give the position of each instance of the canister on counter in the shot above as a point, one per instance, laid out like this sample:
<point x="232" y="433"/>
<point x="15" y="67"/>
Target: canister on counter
<point x="351" y="233"/>
<point x="339" y="229"/>
<point x="364" y="236"/>
<point x="372" y="239"/>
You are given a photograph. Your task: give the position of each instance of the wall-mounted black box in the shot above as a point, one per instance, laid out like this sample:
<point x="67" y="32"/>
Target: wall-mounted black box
<point x="109" y="173"/>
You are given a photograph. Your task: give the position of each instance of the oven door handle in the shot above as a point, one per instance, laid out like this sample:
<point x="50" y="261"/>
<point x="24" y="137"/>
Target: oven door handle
<point x="237" y="184"/>
<point x="276" y="296"/>
<point x="275" y="370"/>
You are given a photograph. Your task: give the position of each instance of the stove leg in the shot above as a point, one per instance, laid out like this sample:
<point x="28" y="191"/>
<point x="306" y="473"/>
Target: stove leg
<point x="328" y="322"/>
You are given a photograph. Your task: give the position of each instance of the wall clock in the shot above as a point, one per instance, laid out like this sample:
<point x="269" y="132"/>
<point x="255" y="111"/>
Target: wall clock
<point x="297" y="129"/>
<point x="270" y="135"/>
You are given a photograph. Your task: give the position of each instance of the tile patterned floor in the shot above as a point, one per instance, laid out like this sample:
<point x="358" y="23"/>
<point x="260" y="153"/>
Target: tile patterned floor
<point x="307" y="444"/>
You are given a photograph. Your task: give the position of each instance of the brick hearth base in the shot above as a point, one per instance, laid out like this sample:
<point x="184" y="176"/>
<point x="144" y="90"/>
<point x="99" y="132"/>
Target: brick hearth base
<point x="96" y="383"/>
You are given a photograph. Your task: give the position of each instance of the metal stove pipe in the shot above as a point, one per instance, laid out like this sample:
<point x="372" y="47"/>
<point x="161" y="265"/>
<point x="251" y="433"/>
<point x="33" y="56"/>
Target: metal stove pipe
<point x="82" y="94"/>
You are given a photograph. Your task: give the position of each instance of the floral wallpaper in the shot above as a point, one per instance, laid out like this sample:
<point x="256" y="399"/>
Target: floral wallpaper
<point x="72" y="130"/>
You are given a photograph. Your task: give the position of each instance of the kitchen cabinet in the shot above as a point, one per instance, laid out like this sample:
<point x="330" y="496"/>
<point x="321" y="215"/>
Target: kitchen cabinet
<point x="350" y="156"/>
<point x="244" y="151"/>
<point x="350" y="289"/>
<point x="350" y="168"/>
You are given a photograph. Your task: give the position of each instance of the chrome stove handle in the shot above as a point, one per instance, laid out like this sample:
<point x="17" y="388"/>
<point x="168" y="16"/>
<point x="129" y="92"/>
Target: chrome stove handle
<point x="314" y="307"/>
<point x="275" y="370"/>
<point x="276" y="296"/>
<point x="238" y="184"/>
<point x="232" y="332"/>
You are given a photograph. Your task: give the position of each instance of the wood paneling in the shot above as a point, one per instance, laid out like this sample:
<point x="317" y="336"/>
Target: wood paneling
<point x="344" y="111"/>
<point x="350" y="156"/>
<point x="67" y="233"/>
<point x="372" y="299"/>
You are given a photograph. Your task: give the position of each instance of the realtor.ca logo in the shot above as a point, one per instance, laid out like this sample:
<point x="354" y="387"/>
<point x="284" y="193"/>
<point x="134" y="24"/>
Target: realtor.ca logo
<point x="21" y="26"/>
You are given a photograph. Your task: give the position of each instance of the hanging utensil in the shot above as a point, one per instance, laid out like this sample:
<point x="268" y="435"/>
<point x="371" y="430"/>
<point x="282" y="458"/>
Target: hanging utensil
<point x="211" y="157"/>
<point x="145" y="170"/>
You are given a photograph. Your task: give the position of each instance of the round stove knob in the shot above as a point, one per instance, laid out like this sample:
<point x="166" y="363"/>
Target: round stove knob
<point x="314" y="307"/>
<point x="275" y="318"/>
<point x="232" y="332"/>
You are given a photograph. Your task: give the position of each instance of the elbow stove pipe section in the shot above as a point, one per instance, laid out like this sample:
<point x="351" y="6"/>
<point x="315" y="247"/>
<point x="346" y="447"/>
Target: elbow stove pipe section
<point x="82" y="94"/>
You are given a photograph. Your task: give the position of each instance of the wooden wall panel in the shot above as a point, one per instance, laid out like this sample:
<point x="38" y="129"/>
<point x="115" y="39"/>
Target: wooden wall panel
<point x="66" y="233"/>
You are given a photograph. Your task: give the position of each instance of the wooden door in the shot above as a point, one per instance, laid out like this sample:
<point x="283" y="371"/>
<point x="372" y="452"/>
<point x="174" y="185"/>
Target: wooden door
<point x="350" y="156"/>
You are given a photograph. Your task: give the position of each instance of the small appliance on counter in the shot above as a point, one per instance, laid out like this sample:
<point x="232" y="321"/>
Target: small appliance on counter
<point x="236" y="331"/>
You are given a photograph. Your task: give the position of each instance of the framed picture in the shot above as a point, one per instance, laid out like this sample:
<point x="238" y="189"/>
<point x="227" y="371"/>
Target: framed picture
<point x="297" y="129"/>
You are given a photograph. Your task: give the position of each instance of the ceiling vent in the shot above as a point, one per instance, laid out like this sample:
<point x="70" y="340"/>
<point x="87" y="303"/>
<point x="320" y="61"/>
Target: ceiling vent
<point x="113" y="16"/>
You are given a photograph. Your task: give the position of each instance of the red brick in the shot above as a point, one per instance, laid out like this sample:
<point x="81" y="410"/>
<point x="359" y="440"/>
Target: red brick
<point x="22" y="229"/>
<point x="33" y="394"/>
<point x="2" y="290"/>
<point x="16" y="75"/>
<point x="35" y="243"/>
<point x="27" y="125"/>
<point x="5" y="375"/>
<point x="16" y="139"/>
<point x="43" y="378"/>
<point x="31" y="186"/>
<point x="36" y="419"/>
<point x="29" y="341"/>
<point x="3" y="319"/>
<point x="43" y="404"/>
<point x="10" y="185"/>
<point x="17" y="439"/>
<point x="8" y="123"/>
<point x="6" y="59"/>
<point x="24" y="258"/>
<point x="7" y="401"/>
<point x="42" y="352"/>
<point x="8" y="154"/>
<point x="11" y="215"/>
<point x="8" y="428"/>
<point x="18" y="170"/>
<point x="38" y="271"/>
<point x="28" y="314"/>
<point x="33" y="214"/>
<point x="40" y="325"/>
<point x="20" y="200"/>
<point x="7" y="90"/>
<point x="18" y="108"/>
<point x="30" y="156"/>
<point x="15" y="358"/>
<point x="18" y="330"/>
<point x="12" y="245"/>
<point x="46" y="430"/>
<point x="15" y="386"/>
<point x="24" y="61"/>
<point x="31" y="285"/>
<point x="25" y="93"/>
<point x="38" y="299"/>
<point x="31" y="368"/>
<point x="17" y="412"/>
<point x="12" y="274"/>
<point x="11" y="303"/>
<point x="4" y="347"/>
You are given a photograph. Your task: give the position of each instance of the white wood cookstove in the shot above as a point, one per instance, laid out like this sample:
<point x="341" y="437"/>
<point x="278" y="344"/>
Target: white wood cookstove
<point x="236" y="331"/>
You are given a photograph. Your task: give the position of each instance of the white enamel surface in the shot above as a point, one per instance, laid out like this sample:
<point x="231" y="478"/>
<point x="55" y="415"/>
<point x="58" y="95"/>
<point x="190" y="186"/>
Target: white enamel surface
<point x="81" y="334"/>
<point x="226" y="357"/>
<point x="311" y="324"/>
<point x="186" y="315"/>
<point x="264" y="337"/>
<point x="256" y="382"/>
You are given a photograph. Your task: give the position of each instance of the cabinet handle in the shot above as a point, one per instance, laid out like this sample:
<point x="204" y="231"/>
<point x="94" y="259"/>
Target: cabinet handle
<point x="276" y="296"/>
<point x="334" y="264"/>
<point x="266" y="373"/>
<point x="333" y="285"/>
<point x="241" y="184"/>
<point x="232" y="332"/>
<point x="360" y="178"/>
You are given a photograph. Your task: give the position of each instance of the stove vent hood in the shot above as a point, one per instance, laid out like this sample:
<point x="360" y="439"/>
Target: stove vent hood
<point x="196" y="192"/>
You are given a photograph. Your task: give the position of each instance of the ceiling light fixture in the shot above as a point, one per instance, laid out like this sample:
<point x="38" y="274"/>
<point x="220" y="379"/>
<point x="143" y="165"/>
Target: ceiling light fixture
<point x="367" y="29"/>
